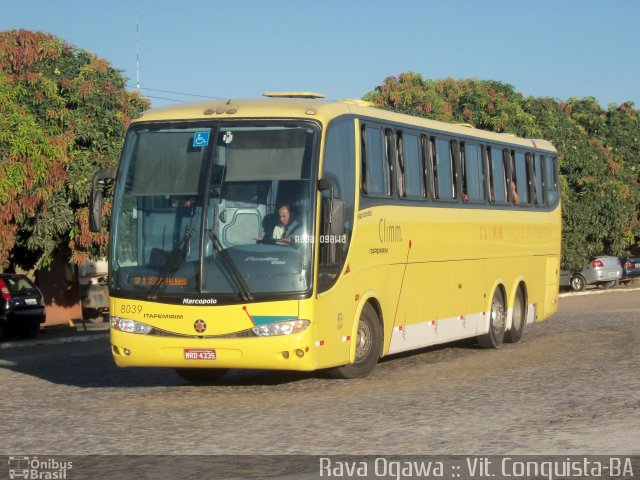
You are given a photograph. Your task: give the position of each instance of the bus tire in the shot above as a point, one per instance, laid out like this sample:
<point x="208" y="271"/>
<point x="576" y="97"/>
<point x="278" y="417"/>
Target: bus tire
<point x="497" y="322"/>
<point x="368" y="347"/>
<point x="202" y="376"/>
<point x="519" y="320"/>
<point x="578" y="283"/>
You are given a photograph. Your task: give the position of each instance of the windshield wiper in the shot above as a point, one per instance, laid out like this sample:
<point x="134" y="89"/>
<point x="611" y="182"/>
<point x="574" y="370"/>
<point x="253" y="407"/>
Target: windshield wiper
<point x="231" y="268"/>
<point x="174" y="260"/>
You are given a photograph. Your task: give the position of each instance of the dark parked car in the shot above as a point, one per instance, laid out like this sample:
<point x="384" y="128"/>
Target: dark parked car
<point x="630" y="268"/>
<point x="21" y="306"/>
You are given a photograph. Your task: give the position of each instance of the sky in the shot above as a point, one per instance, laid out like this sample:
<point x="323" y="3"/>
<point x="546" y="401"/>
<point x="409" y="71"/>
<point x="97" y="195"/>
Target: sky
<point x="345" y="48"/>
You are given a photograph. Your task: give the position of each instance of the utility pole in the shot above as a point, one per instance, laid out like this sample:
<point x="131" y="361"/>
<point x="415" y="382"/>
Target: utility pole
<point x="137" y="51"/>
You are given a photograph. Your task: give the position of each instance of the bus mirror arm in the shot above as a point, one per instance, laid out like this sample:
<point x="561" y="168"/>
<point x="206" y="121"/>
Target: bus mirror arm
<point x="335" y="217"/>
<point x="323" y="186"/>
<point x="96" y="200"/>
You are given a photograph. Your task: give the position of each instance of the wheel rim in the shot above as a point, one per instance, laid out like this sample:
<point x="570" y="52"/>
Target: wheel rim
<point x="576" y="283"/>
<point x="363" y="340"/>
<point x="497" y="316"/>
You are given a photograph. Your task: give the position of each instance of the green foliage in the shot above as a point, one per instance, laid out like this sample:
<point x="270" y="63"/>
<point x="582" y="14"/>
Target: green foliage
<point x="598" y="150"/>
<point x="63" y="114"/>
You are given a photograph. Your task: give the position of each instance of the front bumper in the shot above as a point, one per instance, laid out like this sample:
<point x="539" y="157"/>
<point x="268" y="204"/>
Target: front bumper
<point x="286" y="352"/>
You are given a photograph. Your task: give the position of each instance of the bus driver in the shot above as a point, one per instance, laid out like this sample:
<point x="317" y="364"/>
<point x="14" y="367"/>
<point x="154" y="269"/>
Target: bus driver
<point x="282" y="233"/>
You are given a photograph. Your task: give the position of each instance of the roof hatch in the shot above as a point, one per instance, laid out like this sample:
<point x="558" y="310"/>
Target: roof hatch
<point x="357" y="101"/>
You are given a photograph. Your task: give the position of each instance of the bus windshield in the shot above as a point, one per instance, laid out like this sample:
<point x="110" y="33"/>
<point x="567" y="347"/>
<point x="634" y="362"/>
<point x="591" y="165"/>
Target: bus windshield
<point x="214" y="211"/>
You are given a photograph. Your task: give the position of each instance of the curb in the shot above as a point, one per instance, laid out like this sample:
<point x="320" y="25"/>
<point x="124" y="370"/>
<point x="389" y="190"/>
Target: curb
<point x="598" y="292"/>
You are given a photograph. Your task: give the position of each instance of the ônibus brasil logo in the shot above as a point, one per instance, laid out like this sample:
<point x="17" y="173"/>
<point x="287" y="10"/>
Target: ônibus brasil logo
<point x="33" y="467"/>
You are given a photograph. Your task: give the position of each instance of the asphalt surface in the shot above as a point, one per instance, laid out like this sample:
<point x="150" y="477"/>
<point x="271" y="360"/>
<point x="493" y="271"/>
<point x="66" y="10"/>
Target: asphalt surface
<point x="571" y="387"/>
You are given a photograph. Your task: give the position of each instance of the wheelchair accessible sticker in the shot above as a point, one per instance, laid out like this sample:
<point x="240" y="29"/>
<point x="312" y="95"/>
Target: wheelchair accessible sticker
<point x="201" y="139"/>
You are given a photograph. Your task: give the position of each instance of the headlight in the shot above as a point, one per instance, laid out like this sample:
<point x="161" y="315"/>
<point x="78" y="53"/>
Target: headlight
<point x="281" y="328"/>
<point x="130" y="326"/>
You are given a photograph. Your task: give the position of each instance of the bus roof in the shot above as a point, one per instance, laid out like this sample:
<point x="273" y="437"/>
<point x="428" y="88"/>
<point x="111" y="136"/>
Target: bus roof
<point x="310" y="105"/>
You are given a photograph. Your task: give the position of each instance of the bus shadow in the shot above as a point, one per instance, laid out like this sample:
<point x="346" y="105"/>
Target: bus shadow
<point x="113" y="377"/>
<point x="99" y="372"/>
<point x="96" y="369"/>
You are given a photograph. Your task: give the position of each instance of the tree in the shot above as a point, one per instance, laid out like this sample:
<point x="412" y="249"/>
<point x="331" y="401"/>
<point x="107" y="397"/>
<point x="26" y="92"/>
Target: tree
<point x="486" y="104"/>
<point x="598" y="150"/>
<point x="63" y="114"/>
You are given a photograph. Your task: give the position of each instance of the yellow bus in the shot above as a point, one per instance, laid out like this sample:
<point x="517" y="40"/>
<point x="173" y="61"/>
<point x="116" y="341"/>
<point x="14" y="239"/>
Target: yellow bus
<point x="295" y="233"/>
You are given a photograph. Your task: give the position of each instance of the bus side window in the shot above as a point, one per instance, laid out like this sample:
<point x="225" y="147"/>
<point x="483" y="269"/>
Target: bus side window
<point x="376" y="173"/>
<point x="456" y="168"/>
<point x="497" y="176"/>
<point x="427" y="176"/>
<point x="487" y="154"/>
<point x="509" y="185"/>
<point x="538" y="180"/>
<point x="390" y="150"/>
<point x="339" y="168"/>
<point x="462" y="157"/>
<point x="530" y="177"/>
<point x="521" y="177"/>
<point x="434" y="168"/>
<point x="472" y="173"/>
<point x="363" y="161"/>
<point x="443" y="170"/>
<point x="412" y="185"/>
<point x="551" y="180"/>
<point x="401" y="166"/>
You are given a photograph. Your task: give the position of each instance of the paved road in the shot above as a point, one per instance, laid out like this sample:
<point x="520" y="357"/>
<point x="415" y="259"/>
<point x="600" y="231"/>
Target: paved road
<point x="571" y="386"/>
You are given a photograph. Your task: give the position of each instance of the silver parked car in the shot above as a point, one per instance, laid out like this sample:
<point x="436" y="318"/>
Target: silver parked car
<point x="603" y="271"/>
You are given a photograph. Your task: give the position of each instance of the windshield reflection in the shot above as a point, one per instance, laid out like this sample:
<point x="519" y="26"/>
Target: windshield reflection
<point x="214" y="211"/>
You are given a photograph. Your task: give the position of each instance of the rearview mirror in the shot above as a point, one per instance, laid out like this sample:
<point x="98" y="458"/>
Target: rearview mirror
<point x="96" y="197"/>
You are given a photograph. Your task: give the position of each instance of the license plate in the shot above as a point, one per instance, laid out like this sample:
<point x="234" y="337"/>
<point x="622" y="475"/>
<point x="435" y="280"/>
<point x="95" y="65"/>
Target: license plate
<point x="613" y="274"/>
<point x="199" y="354"/>
<point x="637" y="265"/>
<point x="31" y="301"/>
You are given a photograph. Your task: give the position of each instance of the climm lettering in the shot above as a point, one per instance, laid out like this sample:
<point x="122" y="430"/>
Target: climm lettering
<point x="491" y="232"/>
<point x="389" y="233"/>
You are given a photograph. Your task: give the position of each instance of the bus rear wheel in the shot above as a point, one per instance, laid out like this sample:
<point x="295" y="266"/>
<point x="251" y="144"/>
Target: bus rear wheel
<point x="497" y="323"/>
<point x="368" y="347"/>
<point x="514" y="334"/>
<point x="202" y="376"/>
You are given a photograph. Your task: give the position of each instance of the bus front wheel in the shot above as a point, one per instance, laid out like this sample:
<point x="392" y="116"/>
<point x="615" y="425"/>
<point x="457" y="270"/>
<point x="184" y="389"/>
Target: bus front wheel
<point x="368" y="347"/>
<point x="202" y="376"/>
<point x="497" y="323"/>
